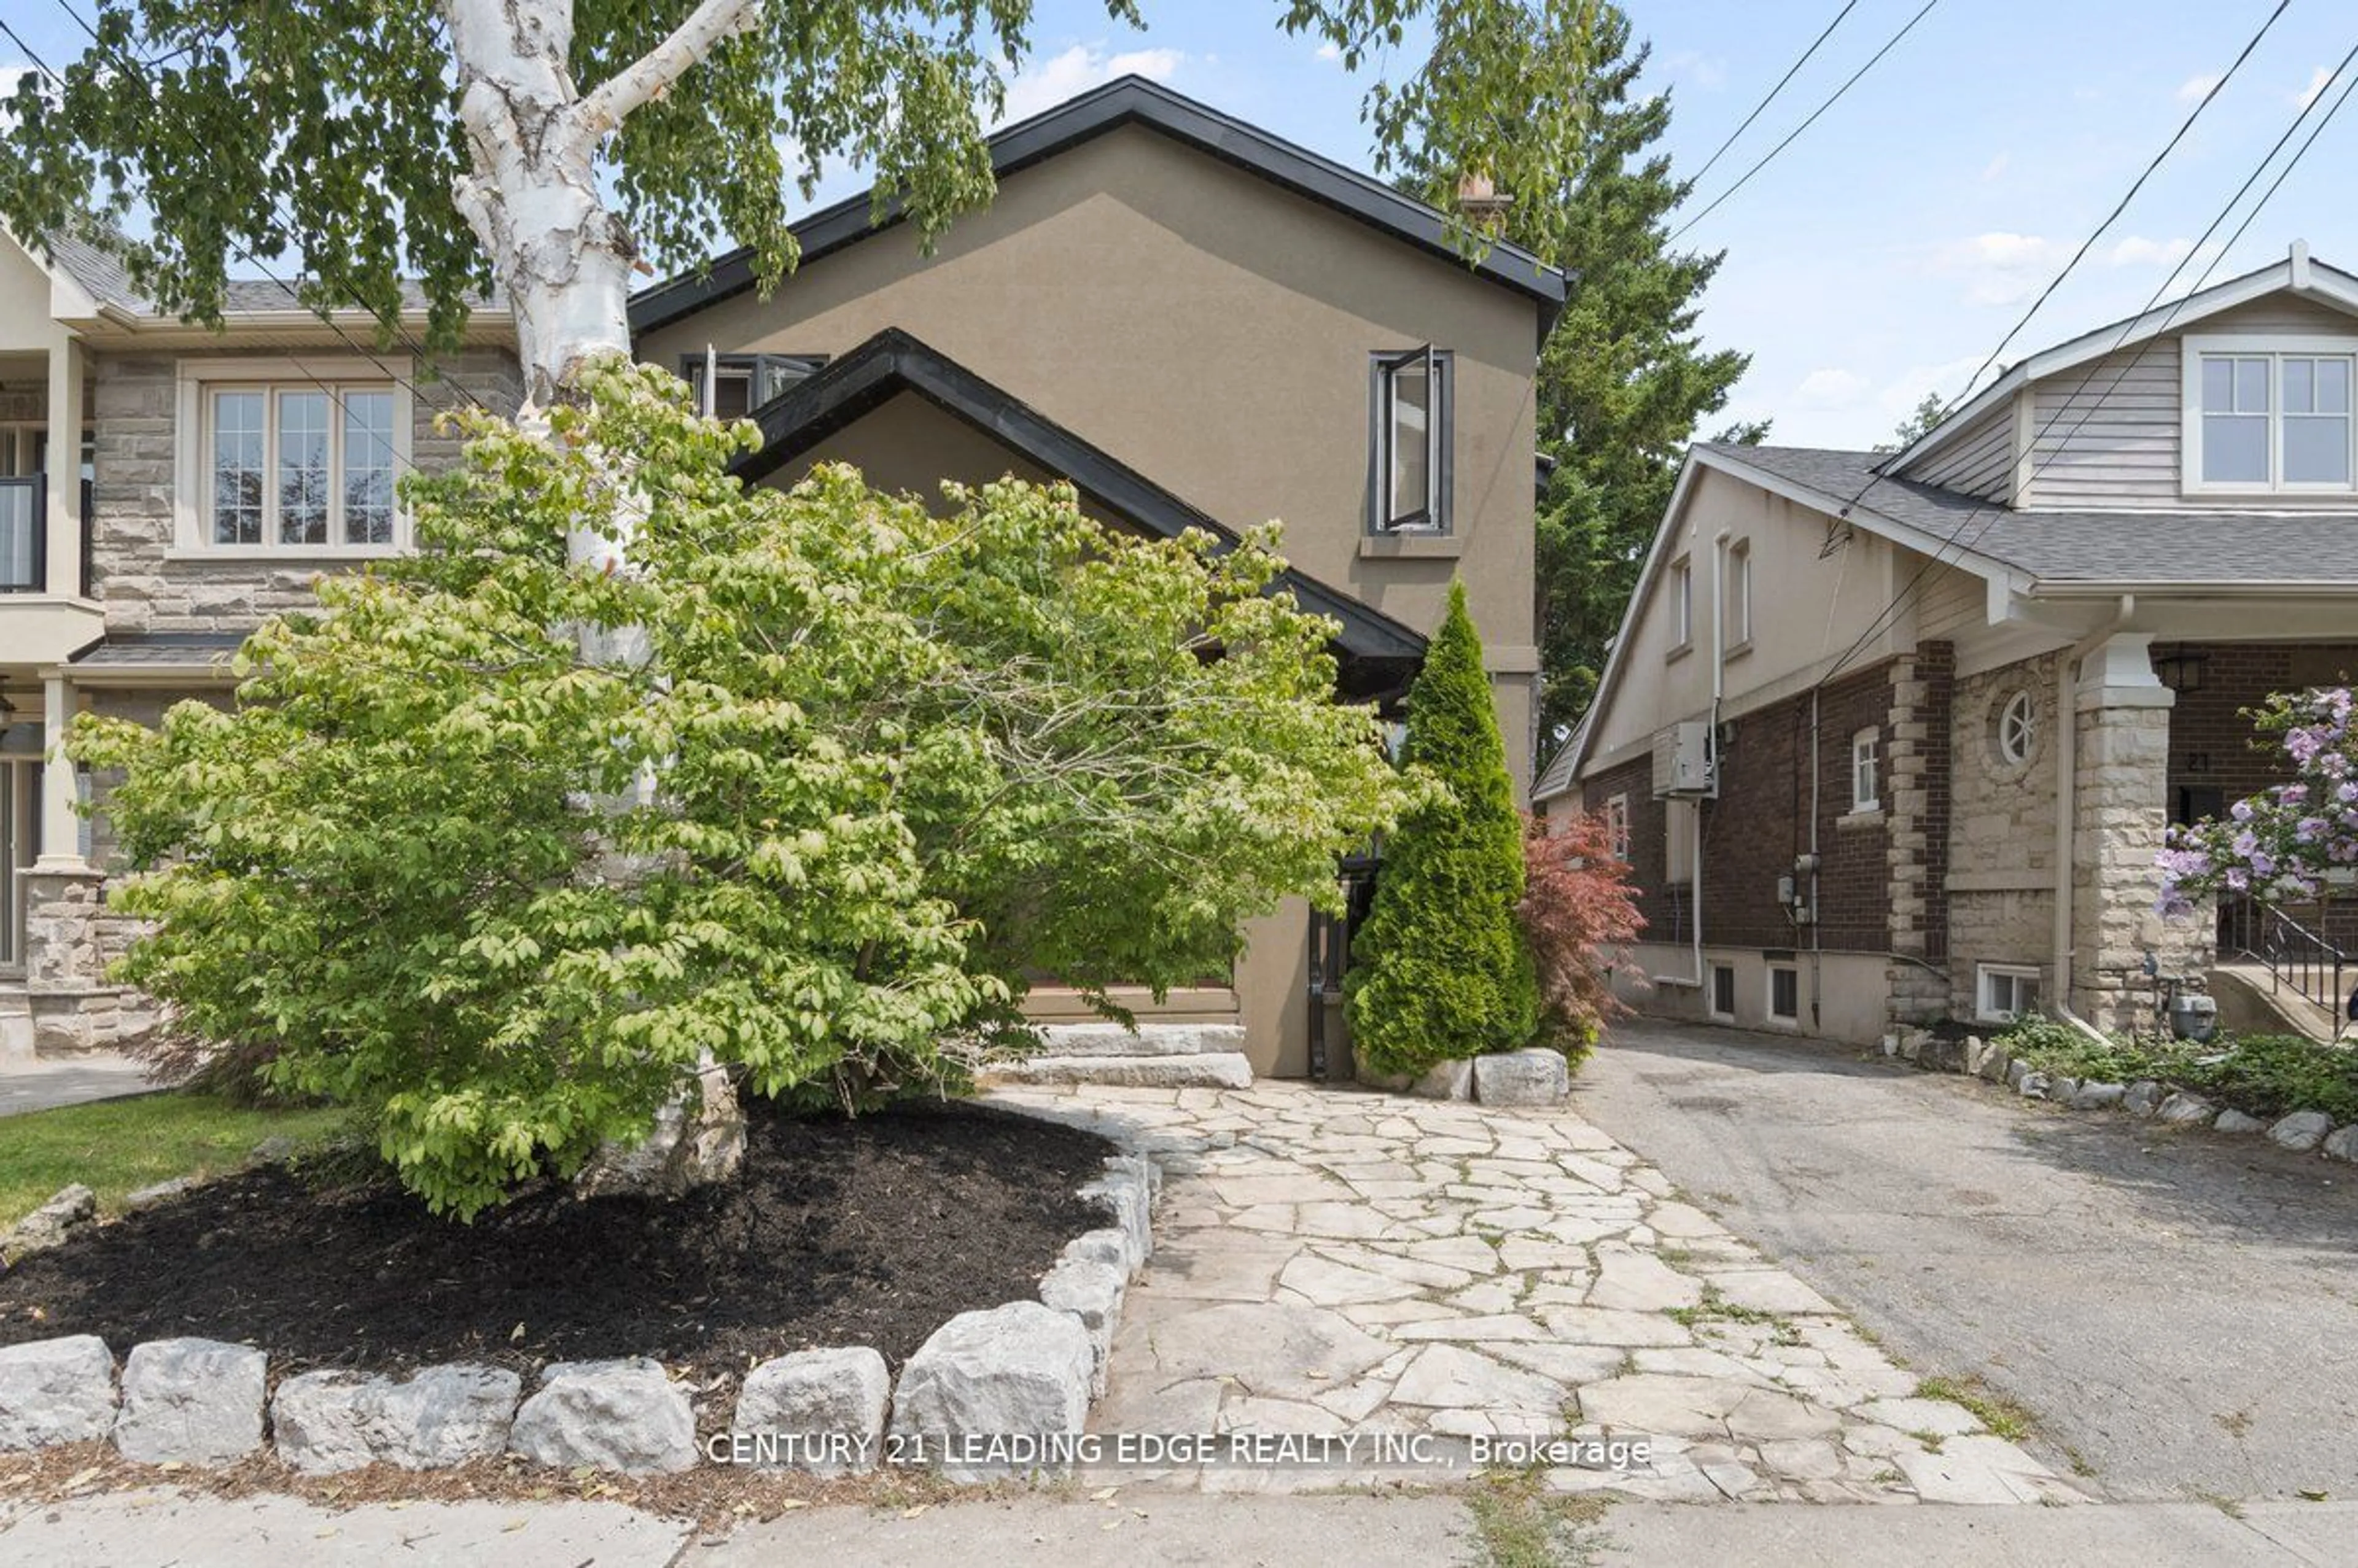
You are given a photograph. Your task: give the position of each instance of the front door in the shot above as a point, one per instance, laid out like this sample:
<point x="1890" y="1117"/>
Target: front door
<point x="20" y="838"/>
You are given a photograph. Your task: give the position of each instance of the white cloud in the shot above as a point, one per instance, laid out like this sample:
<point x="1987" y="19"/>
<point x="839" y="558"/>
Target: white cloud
<point x="2316" y="83"/>
<point x="1995" y="167"/>
<point x="1331" y="52"/>
<point x="1708" y="72"/>
<point x="1044" y="83"/>
<point x="2194" y="89"/>
<point x="1832" y="387"/>
<point x="2001" y="268"/>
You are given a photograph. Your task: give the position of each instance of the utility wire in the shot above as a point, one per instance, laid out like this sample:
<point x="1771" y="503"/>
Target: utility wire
<point x="1981" y="519"/>
<point x="1721" y="151"/>
<point x="1770" y="157"/>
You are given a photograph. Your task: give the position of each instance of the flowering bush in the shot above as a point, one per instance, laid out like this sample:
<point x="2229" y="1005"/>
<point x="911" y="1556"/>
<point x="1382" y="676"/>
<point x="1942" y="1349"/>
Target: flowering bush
<point x="2291" y="839"/>
<point x="1579" y="914"/>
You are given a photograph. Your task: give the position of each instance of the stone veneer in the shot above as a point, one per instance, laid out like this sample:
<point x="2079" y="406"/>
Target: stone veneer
<point x="70" y="938"/>
<point x="2120" y="782"/>
<point x="144" y="588"/>
<point x="2001" y="874"/>
<point x="1917" y="792"/>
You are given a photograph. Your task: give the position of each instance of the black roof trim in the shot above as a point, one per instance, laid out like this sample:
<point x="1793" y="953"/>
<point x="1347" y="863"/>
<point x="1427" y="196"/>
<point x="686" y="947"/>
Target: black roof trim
<point x="858" y="384"/>
<point x="1134" y="100"/>
<point x="132" y="650"/>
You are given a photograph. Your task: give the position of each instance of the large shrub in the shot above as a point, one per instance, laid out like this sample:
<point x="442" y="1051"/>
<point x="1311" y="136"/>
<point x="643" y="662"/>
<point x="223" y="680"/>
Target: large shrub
<point x="1579" y="916"/>
<point x="1439" y="971"/>
<point x="865" y="765"/>
<point x="2293" y="840"/>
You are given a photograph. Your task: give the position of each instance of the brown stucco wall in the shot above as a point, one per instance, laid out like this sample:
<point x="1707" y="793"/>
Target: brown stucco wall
<point x="1213" y="331"/>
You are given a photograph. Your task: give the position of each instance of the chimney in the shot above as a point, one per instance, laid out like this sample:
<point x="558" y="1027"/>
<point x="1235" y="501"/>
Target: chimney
<point x="1479" y="203"/>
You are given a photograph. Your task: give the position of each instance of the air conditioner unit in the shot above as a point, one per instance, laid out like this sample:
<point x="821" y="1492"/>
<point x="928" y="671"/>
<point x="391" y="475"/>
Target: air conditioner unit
<point x="1685" y="763"/>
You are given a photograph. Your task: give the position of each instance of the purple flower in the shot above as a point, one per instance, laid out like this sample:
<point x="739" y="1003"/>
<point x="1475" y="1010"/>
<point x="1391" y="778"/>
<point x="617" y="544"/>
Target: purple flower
<point x="2309" y="829"/>
<point x="2241" y="811"/>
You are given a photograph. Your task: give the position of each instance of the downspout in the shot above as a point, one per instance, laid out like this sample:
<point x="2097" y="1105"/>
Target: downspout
<point x="2066" y="739"/>
<point x="1718" y="694"/>
<point x="1817" y="926"/>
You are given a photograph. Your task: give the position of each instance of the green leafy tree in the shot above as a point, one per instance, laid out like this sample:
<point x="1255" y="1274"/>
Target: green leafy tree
<point x="1624" y="380"/>
<point x="1917" y="426"/>
<point x="1440" y="970"/>
<point x="555" y="146"/>
<point x="903" y="758"/>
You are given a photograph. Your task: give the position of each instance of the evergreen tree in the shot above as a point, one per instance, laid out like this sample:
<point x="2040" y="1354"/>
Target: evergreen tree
<point x="1623" y="378"/>
<point x="1440" y="970"/>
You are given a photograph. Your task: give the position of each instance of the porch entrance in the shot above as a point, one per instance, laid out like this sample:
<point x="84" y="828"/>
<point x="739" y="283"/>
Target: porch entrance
<point x="20" y="838"/>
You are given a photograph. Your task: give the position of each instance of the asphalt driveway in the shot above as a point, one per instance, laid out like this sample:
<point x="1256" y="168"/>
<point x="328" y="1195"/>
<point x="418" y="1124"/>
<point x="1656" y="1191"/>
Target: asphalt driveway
<point x="2178" y="1310"/>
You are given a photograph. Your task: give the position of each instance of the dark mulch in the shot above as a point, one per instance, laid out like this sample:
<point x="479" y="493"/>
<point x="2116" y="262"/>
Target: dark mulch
<point x="867" y="1231"/>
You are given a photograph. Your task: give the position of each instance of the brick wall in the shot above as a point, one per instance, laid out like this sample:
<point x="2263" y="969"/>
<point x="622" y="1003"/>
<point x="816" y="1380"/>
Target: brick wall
<point x="144" y="583"/>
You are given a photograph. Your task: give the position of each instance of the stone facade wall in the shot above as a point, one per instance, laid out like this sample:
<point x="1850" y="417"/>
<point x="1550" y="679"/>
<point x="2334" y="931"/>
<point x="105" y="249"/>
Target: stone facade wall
<point x="2119" y="815"/>
<point x="2001" y="871"/>
<point x="143" y="581"/>
<point x="71" y="938"/>
<point x="1919" y="800"/>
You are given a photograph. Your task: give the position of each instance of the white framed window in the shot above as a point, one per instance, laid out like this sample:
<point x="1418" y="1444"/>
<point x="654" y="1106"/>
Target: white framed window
<point x="1616" y="825"/>
<point x="1409" y="431"/>
<point x="742" y="383"/>
<point x="1865" y="794"/>
<point x="287" y="456"/>
<point x="2017" y="728"/>
<point x="1721" y="1001"/>
<point x="1681" y="605"/>
<point x="1784" y="994"/>
<point x="2269" y="415"/>
<point x="2003" y="993"/>
<point x="1738" y="608"/>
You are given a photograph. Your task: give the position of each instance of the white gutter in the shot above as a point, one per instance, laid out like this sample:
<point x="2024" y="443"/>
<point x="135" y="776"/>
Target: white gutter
<point x="2067" y="736"/>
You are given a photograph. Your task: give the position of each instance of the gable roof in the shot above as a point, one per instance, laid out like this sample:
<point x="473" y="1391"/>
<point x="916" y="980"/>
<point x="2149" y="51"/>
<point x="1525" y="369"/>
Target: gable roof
<point x="893" y="362"/>
<point x="2296" y="275"/>
<point x="1134" y="100"/>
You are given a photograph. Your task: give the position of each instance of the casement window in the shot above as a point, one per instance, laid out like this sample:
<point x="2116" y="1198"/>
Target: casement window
<point x="1736" y="634"/>
<point x="2269" y="415"/>
<point x="2003" y="993"/>
<point x="282" y="456"/>
<point x="1784" y="994"/>
<point x="1681" y="605"/>
<point x="1723" y="992"/>
<point x="1863" y="794"/>
<point x="1616" y="826"/>
<point x="742" y="383"/>
<point x="1409" y="439"/>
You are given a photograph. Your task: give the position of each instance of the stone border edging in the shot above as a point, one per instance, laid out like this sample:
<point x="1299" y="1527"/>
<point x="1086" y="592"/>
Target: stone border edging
<point x="2301" y="1131"/>
<point x="1027" y="1371"/>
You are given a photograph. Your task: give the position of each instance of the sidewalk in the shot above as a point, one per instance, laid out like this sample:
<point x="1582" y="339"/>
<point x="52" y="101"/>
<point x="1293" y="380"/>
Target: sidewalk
<point x="43" y="1084"/>
<point x="153" y="1529"/>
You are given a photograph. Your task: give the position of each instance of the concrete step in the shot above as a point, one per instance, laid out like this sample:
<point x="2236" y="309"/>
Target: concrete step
<point x="1194" y="1070"/>
<point x="2251" y="1002"/>
<point x="1149" y="1039"/>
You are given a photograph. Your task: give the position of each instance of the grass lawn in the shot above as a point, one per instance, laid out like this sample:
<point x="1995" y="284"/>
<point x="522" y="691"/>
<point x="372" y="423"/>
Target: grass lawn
<point x="121" y="1145"/>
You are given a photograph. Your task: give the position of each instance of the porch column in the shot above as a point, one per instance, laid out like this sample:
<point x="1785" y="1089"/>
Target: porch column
<point x="2120" y="812"/>
<point x="60" y="826"/>
<point x="64" y="466"/>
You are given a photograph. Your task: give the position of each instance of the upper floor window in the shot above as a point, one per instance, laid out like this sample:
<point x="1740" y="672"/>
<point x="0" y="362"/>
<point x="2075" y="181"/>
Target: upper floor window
<point x="2269" y="415"/>
<point x="301" y="462"/>
<point x="1410" y="435"/>
<point x="1738" y="634"/>
<point x="742" y="383"/>
<point x="1682" y="604"/>
<point x="1616" y="825"/>
<point x="1864" y="795"/>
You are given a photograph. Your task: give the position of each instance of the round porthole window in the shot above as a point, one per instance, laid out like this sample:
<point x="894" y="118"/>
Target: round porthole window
<point x="2017" y="728"/>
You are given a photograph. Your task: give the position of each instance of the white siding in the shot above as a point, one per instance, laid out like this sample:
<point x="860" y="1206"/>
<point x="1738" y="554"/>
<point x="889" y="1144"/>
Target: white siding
<point x="1950" y="603"/>
<point x="1979" y="461"/>
<point x="2108" y="433"/>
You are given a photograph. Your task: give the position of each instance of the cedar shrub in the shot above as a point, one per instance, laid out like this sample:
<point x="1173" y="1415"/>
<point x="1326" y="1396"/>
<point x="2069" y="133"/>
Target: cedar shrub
<point x="1440" y="970"/>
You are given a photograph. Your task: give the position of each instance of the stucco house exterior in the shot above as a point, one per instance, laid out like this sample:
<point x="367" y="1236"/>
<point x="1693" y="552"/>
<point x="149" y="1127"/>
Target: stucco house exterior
<point x="1198" y="324"/>
<point x="1893" y="738"/>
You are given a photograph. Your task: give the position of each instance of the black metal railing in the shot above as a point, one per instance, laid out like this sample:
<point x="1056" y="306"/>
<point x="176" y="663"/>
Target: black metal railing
<point x="24" y="534"/>
<point x="1330" y="955"/>
<point x="88" y="527"/>
<point x="2298" y="958"/>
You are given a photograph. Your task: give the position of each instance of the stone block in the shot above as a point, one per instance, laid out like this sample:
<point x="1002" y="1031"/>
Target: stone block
<point x="1445" y="1080"/>
<point x="1533" y="1077"/>
<point x="819" y="1411"/>
<point x="1127" y="1193"/>
<point x="621" y="1415"/>
<point x="2187" y="1110"/>
<point x="2235" y="1121"/>
<point x="1201" y="1070"/>
<point x="2343" y="1143"/>
<point x="1149" y="1039"/>
<point x="2144" y="1097"/>
<point x="2098" y="1097"/>
<point x="1014" y="1372"/>
<point x="56" y="1390"/>
<point x="191" y="1401"/>
<point x="49" y="1225"/>
<point x="1092" y="1291"/>
<point x="2301" y="1131"/>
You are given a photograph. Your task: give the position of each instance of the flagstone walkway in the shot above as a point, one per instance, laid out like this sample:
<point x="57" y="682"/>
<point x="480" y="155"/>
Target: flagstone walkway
<point x="1349" y="1264"/>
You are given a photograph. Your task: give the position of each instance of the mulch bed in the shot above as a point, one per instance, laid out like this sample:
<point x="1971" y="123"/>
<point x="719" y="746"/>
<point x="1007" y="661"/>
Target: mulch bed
<point x="838" y="1232"/>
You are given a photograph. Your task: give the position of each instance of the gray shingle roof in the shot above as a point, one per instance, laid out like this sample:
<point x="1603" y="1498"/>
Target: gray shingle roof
<point x="102" y="275"/>
<point x="2160" y="547"/>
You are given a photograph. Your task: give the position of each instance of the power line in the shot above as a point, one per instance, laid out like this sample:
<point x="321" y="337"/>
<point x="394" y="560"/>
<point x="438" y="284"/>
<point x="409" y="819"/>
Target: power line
<point x="1770" y="157"/>
<point x="1983" y="518"/>
<point x="1721" y="151"/>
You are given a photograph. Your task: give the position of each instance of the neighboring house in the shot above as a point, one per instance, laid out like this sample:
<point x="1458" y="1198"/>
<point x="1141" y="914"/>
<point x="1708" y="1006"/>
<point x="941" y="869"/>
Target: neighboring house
<point x="1199" y="325"/>
<point x="1895" y="738"/>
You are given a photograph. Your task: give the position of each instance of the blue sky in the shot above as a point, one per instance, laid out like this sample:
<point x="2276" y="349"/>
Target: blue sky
<point x="1888" y="249"/>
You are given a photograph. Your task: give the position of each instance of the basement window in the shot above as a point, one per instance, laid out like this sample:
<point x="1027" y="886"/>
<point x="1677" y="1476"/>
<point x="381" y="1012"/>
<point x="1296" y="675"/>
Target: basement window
<point x="1723" y="992"/>
<point x="1784" y="994"/>
<point x="2005" y="992"/>
<point x="1409" y="439"/>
